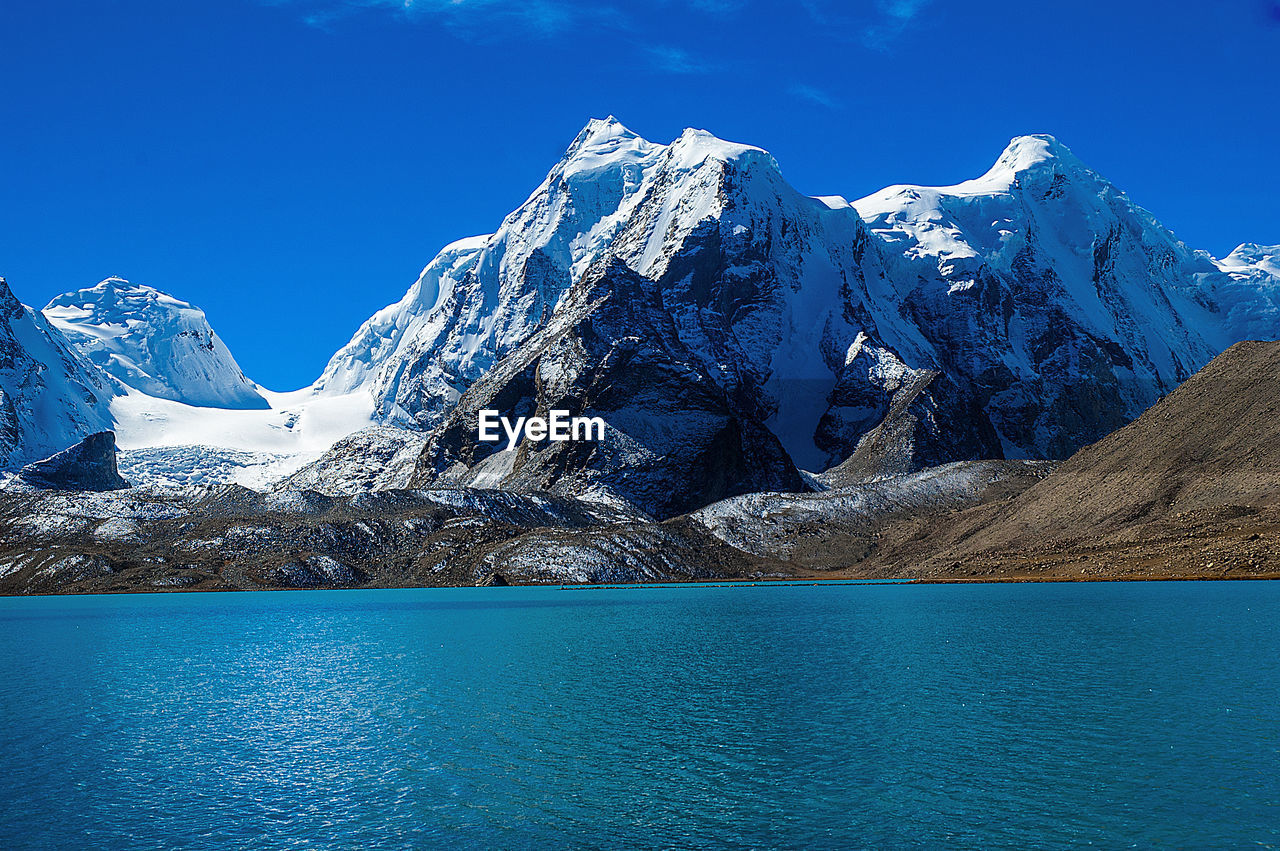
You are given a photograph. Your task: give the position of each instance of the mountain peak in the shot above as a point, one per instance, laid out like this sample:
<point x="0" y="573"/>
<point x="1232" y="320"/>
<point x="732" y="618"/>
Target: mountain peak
<point x="116" y="298"/>
<point x="601" y="131"/>
<point x="117" y="284"/>
<point x="1250" y="256"/>
<point x="606" y="140"/>
<point x="152" y="342"/>
<point x="609" y="122"/>
<point x="695" y="146"/>
<point x="1024" y="153"/>
<point x="604" y="143"/>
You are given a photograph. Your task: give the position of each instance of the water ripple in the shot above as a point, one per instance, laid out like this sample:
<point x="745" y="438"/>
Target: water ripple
<point x="902" y="716"/>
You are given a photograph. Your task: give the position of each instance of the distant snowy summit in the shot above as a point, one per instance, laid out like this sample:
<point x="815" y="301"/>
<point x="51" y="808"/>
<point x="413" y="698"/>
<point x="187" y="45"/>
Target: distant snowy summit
<point x="1253" y="261"/>
<point x="154" y="343"/>
<point x="730" y="331"/>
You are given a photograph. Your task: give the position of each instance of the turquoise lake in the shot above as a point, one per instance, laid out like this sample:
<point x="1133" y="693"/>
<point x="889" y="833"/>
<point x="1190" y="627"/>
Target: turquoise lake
<point x="1110" y="714"/>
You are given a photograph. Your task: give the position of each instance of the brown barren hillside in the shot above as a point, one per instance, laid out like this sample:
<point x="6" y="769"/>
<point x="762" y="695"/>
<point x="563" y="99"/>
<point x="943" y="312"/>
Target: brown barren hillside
<point x="1190" y="488"/>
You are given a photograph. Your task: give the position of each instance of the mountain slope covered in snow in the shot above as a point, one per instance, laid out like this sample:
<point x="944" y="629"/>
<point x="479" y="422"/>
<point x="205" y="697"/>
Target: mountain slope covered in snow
<point x="1250" y="291"/>
<point x="182" y="409"/>
<point x="154" y="343"/>
<point x="1069" y="308"/>
<point x="49" y="397"/>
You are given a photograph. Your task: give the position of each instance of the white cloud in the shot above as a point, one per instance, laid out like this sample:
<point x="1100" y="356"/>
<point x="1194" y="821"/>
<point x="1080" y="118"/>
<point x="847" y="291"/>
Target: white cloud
<point x="814" y="95"/>
<point x="895" y="16"/>
<point x="491" y="19"/>
<point x="717" y="7"/>
<point x="676" y="60"/>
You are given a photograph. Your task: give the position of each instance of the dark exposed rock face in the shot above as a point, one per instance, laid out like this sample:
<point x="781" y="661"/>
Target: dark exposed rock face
<point x="90" y="465"/>
<point x="674" y="441"/>
<point x="929" y="421"/>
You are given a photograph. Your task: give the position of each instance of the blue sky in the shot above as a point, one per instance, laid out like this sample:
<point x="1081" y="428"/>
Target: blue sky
<point x="290" y="165"/>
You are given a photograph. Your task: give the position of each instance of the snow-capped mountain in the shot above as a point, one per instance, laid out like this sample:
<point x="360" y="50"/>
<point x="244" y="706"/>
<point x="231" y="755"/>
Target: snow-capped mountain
<point x="728" y="328"/>
<point x="1252" y="261"/>
<point x="147" y="366"/>
<point x="1024" y="313"/>
<point x="1065" y="305"/>
<point x="49" y="398"/>
<point x="767" y="287"/>
<point x="1250" y="292"/>
<point x="154" y="343"/>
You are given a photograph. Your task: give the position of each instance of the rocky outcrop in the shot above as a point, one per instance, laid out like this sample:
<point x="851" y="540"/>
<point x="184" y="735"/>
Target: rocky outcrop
<point x="840" y="527"/>
<point x="375" y="458"/>
<point x="90" y="465"/>
<point x="929" y="421"/>
<point x="674" y="439"/>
